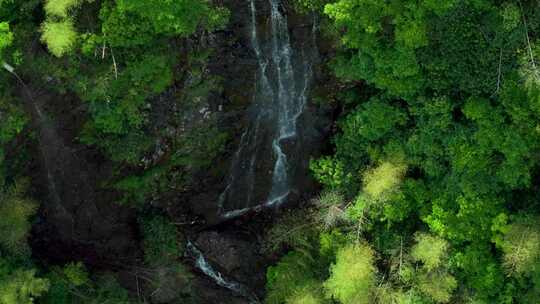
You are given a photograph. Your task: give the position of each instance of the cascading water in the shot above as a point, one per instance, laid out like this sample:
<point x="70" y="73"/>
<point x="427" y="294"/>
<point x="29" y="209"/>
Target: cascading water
<point x="282" y="83"/>
<point x="203" y="265"/>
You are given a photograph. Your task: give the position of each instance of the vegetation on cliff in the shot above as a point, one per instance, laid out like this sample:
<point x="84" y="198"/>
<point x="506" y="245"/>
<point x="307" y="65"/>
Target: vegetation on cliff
<point x="123" y="62"/>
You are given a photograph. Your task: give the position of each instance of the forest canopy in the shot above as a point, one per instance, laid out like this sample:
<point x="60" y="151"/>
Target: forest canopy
<point x="428" y="185"/>
<point x="436" y="167"/>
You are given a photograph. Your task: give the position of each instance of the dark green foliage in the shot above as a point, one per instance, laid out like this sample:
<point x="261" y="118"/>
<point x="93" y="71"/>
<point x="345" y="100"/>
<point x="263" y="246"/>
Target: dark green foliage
<point x="12" y="122"/>
<point x="163" y="246"/>
<point x="480" y="270"/>
<point x="19" y="285"/>
<point x="161" y="241"/>
<point x="116" y="106"/>
<point x="448" y="142"/>
<point x="72" y="284"/>
<point x="16" y="210"/>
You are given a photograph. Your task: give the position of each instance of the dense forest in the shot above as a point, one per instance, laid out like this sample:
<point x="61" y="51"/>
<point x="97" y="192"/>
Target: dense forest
<point x="269" y="151"/>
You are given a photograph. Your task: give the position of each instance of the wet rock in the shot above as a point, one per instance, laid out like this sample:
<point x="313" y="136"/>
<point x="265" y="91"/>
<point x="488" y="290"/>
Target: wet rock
<point x="202" y="294"/>
<point x="235" y="255"/>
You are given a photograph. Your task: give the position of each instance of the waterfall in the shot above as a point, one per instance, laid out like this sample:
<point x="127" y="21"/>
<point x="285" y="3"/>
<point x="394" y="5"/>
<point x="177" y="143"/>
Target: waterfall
<point x="282" y="83"/>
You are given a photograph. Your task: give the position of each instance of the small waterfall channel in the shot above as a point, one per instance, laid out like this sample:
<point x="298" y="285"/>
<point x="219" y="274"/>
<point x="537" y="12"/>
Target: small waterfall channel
<point x="205" y="267"/>
<point x="265" y="156"/>
<point x="42" y="121"/>
<point x="81" y="222"/>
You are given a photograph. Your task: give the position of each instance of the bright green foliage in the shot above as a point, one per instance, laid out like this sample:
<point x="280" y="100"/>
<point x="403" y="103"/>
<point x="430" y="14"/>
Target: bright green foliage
<point x="290" y="278"/>
<point x="76" y="274"/>
<point x="15" y="210"/>
<point x="305" y="6"/>
<point x="385" y="294"/>
<point x="122" y="29"/>
<point x="18" y="285"/>
<point x="373" y="122"/>
<point x="310" y="294"/>
<point x="117" y="107"/>
<point x="353" y="275"/>
<point x="386" y="36"/>
<point x="175" y="17"/>
<point x="511" y="16"/>
<point x="362" y="131"/>
<point x="432" y="277"/>
<point x="438" y="286"/>
<point x="430" y="250"/>
<point x="59" y="8"/>
<point x="521" y="247"/>
<point x="60" y="36"/>
<point x="160" y="240"/>
<point x="383" y="179"/>
<point x="380" y="198"/>
<point x="452" y="91"/>
<point x="330" y="173"/>
<point x="427" y="143"/>
<point x="6" y="37"/>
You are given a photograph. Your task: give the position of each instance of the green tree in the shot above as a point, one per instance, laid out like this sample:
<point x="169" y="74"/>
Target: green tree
<point x="309" y="294"/>
<point x="161" y="240"/>
<point x="60" y="36"/>
<point x="60" y="8"/>
<point x="72" y="283"/>
<point x="432" y="251"/>
<point x="386" y="36"/>
<point x="352" y="277"/>
<point x="433" y="278"/>
<point x="176" y="17"/>
<point x="382" y="180"/>
<point x="294" y="277"/>
<point x="76" y="274"/>
<point x="6" y="38"/>
<point x="438" y="286"/>
<point x="19" y="285"/>
<point x="16" y="209"/>
<point x="521" y="247"/>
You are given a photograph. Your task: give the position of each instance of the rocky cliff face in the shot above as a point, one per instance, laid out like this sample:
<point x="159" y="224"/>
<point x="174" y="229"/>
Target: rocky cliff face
<point x="78" y="221"/>
<point x="252" y="115"/>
